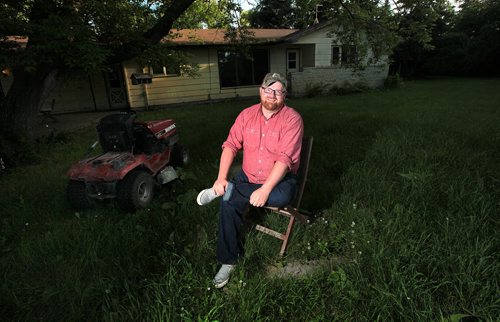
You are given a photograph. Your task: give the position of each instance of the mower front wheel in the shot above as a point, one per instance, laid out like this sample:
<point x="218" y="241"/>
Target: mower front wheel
<point x="135" y="191"/>
<point x="77" y="195"/>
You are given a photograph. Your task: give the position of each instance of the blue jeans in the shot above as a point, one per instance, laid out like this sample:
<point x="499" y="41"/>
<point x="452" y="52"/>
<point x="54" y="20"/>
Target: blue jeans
<point x="233" y="205"/>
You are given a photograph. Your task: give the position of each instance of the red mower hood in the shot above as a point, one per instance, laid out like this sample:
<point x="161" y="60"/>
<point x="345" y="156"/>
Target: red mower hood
<point x="108" y="166"/>
<point x="161" y="129"/>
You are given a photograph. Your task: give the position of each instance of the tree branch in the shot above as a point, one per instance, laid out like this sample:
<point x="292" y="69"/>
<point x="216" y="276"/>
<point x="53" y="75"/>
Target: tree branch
<point x="152" y="36"/>
<point x="162" y="27"/>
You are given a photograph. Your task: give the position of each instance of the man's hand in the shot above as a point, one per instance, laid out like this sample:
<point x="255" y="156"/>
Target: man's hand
<point x="220" y="186"/>
<point x="259" y="197"/>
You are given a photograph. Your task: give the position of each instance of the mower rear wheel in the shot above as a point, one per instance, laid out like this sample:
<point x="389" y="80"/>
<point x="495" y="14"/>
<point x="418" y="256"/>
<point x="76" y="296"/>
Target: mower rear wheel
<point x="77" y="195"/>
<point x="135" y="191"/>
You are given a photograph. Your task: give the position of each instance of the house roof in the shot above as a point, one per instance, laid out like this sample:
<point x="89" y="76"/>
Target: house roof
<point x="218" y="36"/>
<point x="193" y="37"/>
<point x="303" y="32"/>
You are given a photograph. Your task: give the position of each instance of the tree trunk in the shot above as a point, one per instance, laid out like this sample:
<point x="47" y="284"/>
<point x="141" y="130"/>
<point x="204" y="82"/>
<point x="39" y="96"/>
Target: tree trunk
<point x="23" y="100"/>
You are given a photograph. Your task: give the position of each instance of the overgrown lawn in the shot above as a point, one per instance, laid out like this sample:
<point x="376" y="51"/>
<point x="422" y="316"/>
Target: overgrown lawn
<point x="403" y="190"/>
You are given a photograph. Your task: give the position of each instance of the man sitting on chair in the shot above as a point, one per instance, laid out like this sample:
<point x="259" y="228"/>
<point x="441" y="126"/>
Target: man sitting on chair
<point x="270" y="134"/>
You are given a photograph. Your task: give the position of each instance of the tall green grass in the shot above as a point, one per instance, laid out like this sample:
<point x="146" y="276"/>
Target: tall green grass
<point x="403" y="188"/>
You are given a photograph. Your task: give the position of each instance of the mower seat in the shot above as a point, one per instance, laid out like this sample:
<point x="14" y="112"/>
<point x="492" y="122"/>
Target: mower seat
<point x="146" y="142"/>
<point x="116" y="132"/>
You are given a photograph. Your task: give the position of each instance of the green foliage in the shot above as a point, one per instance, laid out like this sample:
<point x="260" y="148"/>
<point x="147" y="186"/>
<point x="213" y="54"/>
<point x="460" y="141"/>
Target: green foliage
<point x="209" y="14"/>
<point x="418" y="24"/>
<point x="347" y="88"/>
<point x="314" y="89"/>
<point x="403" y="192"/>
<point x="273" y="14"/>
<point x="463" y="43"/>
<point x="478" y="22"/>
<point x="78" y="37"/>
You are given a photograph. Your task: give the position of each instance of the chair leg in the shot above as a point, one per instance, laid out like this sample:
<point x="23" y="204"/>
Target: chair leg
<point x="289" y="229"/>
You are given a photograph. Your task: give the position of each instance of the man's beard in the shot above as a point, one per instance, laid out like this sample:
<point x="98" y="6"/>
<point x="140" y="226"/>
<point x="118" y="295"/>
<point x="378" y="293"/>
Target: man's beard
<point x="270" y="106"/>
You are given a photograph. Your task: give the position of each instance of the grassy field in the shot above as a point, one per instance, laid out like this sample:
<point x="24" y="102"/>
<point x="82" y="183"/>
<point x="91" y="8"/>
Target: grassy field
<point x="404" y="191"/>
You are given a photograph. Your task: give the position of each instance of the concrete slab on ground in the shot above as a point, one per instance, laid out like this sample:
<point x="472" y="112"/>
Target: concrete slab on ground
<point x="70" y="122"/>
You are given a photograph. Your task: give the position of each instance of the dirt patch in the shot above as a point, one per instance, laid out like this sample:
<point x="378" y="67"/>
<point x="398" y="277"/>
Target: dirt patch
<point x="302" y="268"/>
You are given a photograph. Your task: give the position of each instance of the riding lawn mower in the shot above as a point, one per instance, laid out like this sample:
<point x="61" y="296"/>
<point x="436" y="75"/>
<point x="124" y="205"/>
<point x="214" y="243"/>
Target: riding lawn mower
<point x="136" y="156"/>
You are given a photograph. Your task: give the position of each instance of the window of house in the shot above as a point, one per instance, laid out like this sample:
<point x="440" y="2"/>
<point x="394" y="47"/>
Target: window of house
<point x="335" y="55"/>
<point x="292" y="60"/>
<point x="237" y="69"/>
<point x="165" y="69"/>
<point x="349" y="55"/>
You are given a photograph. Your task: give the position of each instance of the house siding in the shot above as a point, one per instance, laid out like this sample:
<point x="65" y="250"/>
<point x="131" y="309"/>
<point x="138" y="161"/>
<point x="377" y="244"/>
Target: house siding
<point x="323" y="45"/>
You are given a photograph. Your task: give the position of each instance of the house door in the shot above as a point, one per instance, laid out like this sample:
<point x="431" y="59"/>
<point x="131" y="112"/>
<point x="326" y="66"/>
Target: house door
<point x="116" y="88"/>
<point x="292" y="60"/>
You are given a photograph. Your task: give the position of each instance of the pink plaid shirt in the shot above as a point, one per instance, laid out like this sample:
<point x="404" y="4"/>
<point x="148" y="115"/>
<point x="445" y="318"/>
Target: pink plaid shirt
<point x="265" y="141"/>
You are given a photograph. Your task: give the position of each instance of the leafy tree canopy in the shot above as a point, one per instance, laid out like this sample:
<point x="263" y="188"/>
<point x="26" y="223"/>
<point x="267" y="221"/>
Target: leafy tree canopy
<point x="83" y="35"/>
<point x="209" y="14"/>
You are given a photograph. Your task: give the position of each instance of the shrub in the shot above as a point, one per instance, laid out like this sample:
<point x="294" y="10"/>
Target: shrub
<point x="314" y="89"/>
<point x="348" y="88"/>
<point x="393" y="81"/>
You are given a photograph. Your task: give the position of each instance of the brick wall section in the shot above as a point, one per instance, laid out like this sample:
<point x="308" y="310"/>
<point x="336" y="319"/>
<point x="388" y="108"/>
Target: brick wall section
<point x="371" y="76"/>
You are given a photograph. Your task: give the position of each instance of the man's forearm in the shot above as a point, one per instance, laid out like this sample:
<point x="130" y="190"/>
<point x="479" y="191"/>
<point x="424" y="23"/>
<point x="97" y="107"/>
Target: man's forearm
<point x="277" y="173"/>
<point x="226" y="160"/>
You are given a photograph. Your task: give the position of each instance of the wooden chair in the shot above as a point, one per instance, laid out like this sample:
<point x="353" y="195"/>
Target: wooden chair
<point x="292" y="211"/>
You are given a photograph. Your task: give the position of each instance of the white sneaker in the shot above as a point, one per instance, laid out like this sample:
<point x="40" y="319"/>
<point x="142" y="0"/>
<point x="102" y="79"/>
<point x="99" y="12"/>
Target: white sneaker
<point x="223" y="275"/>
<point x="206" y="196"/>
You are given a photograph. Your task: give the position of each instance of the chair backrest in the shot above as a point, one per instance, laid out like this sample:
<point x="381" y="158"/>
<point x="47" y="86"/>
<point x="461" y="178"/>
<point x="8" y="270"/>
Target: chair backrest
<point x="305" y="156"/>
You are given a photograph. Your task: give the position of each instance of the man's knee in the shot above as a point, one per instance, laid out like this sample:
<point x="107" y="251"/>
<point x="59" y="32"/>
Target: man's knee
<point x="282" y="195"/>
<point x="279" y="200"/>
